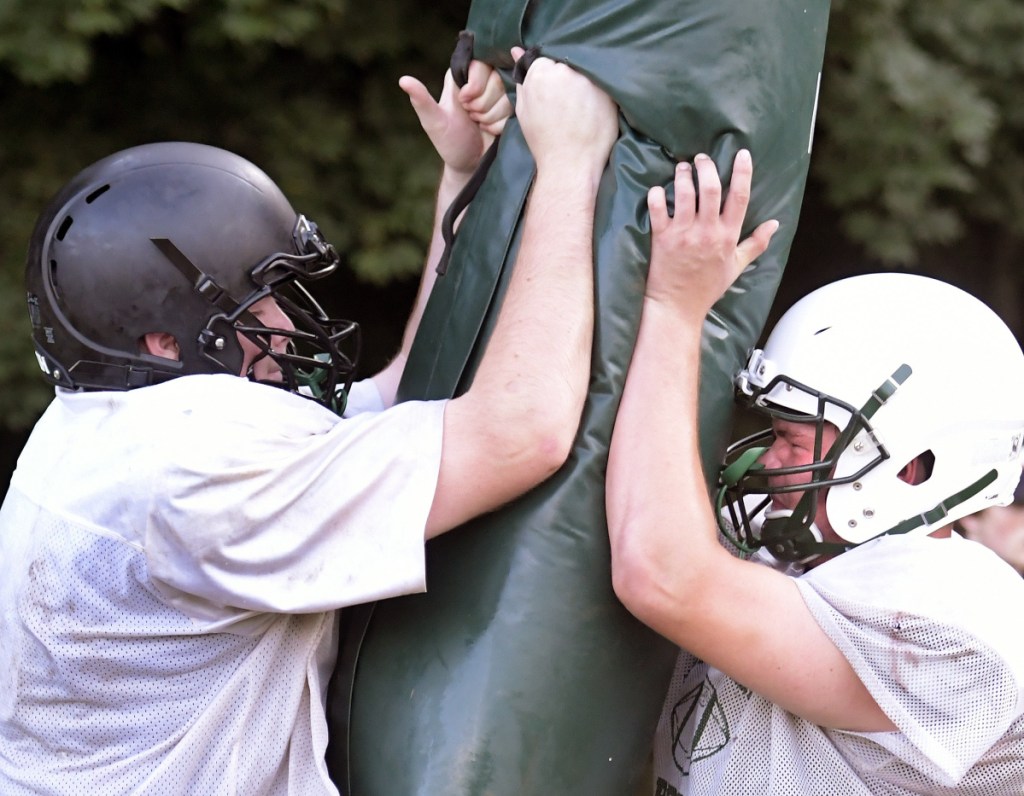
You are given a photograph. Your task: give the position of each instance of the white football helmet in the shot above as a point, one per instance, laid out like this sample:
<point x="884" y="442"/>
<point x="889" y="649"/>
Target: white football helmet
<point x="902" y="365"/>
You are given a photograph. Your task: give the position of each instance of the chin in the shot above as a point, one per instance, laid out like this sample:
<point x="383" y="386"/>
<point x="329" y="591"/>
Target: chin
<point x="271" y="376"/>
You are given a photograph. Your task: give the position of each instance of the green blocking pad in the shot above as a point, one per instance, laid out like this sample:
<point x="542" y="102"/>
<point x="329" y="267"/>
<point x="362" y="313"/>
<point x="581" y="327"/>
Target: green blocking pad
<point x="519" y="672"/>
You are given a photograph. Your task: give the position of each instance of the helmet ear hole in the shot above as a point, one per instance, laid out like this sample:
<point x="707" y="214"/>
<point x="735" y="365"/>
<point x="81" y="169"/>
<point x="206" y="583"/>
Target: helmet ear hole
<point x="919" y="469"/>
<point x="160" y="344"/>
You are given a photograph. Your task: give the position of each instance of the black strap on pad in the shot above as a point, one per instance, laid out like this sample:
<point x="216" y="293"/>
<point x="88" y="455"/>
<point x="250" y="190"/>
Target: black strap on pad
<point x="459" y="65"/>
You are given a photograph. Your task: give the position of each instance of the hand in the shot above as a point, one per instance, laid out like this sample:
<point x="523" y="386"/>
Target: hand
<point x="484" y="99"/>
<point x="695" y="253"/>
<point x="464" y="123"/>
<point x="566" y="119"/>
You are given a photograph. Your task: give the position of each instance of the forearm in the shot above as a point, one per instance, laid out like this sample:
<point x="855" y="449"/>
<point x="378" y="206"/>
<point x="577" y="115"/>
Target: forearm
<point x="537" y="363"/>
<point x="516" y="424"/>
<point x="450" y="185"/>
<point x="388" y="378"/>
<point x="666" y="558"/>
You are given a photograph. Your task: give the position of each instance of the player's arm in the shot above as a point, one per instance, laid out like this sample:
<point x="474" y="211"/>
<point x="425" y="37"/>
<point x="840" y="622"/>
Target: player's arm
<point x="516" y="424"/>
<point x="668" y="567"/>
<point x="461" y="125"/>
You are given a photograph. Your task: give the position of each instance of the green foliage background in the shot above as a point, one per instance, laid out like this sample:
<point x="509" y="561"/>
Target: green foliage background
<point x="918" y="162"/>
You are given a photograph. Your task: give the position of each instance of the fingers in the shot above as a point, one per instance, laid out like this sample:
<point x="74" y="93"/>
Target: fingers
<point x="476" y="82"/>
<point x="483" y="89"/>
<point x="735" y="208"/>
<point x="710" y="187"/>
<point x="699" y="221"/>
<point x="753" y="247"/>
<point x="710" y="206"/>
<point x="484" y="99"/>
<point x="657" y="206"/>
<point x="490" y="108"/>
<point x="686" y="195"/>
<point x="493" y="122"/>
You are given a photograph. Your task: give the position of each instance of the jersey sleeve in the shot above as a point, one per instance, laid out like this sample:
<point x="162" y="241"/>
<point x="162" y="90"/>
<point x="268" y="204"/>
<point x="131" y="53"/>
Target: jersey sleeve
<point x="363" y="396"/>
<point x="297" y="520"/>
<point x="913" y="617"/>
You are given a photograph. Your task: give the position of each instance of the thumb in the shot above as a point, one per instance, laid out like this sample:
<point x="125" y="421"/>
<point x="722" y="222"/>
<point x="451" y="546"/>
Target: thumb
<point x="426" y="107"/>
<point x="754" y="246"/>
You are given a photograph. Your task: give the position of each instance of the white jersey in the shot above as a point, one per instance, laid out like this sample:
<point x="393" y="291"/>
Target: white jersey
<point x="932" y="627"/>
<point x="171" y="559"/>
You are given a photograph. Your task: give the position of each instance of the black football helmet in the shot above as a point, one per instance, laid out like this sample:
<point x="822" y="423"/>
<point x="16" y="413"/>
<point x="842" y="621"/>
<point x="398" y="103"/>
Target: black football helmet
<point x="180" y="238"/>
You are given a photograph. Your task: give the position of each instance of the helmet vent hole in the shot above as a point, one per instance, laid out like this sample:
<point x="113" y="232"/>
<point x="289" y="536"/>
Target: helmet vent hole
<point x="96" y="194"/>
<point x="53" y="279"/>
<point x="65" y="225"/>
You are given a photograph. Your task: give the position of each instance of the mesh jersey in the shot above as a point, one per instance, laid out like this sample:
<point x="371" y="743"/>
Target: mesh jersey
<point x="931" y="627"/>
<point x="170" y="559"/>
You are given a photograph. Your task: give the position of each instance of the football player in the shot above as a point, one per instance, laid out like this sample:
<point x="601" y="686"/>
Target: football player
<point x="837" y="636"/>
<point x="208" y="487"/>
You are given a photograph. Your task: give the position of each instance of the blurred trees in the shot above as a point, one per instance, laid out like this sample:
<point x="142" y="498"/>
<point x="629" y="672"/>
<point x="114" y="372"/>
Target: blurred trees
<point x="921" y="136"/>
<point x="920" y="142"/>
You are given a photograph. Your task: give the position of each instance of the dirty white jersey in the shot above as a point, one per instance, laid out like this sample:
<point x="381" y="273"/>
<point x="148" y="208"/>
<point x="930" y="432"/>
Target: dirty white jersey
<point x="171" y="559"/>
<point x="933" y="627"/>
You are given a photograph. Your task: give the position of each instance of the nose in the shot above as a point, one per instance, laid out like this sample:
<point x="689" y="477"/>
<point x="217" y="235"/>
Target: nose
<point x="770" y="457"/>
<point x="276" y="318"/>
<point x="273" y="317"/>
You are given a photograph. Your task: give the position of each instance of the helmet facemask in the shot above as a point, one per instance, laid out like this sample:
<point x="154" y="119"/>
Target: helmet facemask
<point x="746" y="486"/>
<point x="319" y="358"/>
<point x="320" y="355"/>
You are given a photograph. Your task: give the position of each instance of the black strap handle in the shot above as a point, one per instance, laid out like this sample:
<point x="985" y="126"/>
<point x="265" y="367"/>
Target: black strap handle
<point x="460" y="203"/>
<point x="460" y="61"/>
<point x="524" y="63"/>
<point x="462" y="56"/>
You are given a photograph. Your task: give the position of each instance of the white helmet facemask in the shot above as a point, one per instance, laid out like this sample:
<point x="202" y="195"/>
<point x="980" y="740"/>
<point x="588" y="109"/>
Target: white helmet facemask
<point x="903" y="367"/>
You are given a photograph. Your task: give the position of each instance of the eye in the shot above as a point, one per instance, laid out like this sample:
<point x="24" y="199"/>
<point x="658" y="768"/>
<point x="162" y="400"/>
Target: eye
<point x="260" y="312"/>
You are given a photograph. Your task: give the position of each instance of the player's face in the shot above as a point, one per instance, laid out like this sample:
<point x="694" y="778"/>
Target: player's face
<point x="269" y="314"/>
<point x="793" y="446"/>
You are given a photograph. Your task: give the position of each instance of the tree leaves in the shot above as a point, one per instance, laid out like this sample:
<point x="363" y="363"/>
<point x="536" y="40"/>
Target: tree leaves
<point x="918" y="144"/>
<point x="914" y="108"/>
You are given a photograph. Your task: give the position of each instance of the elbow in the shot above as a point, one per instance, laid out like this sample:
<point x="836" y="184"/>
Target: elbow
<point x="527" y="433"/>
<point x="547" y="427"/>
<point x="657" y="582"/>
<point x="553" y="444"/>
<point x="627" y="583"/>
<point x="544" y="448"/>
<point x="637" y="579"/>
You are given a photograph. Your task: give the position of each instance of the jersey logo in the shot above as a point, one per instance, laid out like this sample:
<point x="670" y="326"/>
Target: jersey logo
<point x="664" y="789"/>
<point x="699" y="725"/>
